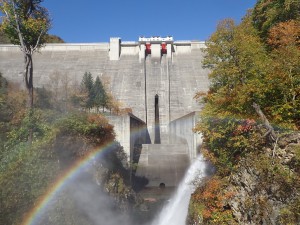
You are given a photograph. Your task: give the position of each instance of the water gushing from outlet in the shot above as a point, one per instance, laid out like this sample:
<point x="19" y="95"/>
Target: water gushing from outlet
<point x="175" y="211"/>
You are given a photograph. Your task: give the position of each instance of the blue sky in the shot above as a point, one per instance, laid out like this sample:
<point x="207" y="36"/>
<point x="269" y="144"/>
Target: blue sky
<point x="98" y="20"/>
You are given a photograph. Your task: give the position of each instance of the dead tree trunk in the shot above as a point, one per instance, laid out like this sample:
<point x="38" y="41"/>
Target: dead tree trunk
<point x="265" y="121"/>
<point x="28" y="77"/>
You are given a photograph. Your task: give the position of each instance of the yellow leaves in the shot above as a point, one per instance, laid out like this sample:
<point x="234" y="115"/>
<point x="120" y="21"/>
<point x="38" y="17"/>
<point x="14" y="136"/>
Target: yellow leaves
<point x="3" y="5"/>
<point x="22" y="26"/>
<point x="209" y="155"/>
<point x="200" y="94"/>
<point x="35" y="24"/>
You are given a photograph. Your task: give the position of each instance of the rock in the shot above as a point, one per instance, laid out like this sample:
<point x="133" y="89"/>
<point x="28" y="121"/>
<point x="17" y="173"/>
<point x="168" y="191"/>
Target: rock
<point x="258" y="199"/>
<point x="287" y="139"/>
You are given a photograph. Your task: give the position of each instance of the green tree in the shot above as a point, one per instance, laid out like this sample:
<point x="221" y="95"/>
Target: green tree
<point x="3" y="38"/>
<point x="100" y="94"/>
<point x="237" y="59"/>
<point x="49" y="38"/>
<point x="87" y="84"/>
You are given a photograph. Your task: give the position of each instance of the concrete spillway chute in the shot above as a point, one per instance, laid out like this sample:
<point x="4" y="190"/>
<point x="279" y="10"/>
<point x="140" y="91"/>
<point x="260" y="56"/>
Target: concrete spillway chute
<point x="157" y="125"/>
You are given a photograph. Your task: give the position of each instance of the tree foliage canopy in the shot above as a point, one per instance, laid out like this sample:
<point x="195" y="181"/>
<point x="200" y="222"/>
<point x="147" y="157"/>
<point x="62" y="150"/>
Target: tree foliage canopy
<point x="87" y="84"/>
<point x="247" y="69"/>
<point x="94" y="93"/>
<point x="267" y="14"/>
<point x="237" y="61"/>
<point x="25" y="23"/>
<point x="100" y="96"/>
<point x="49" y="38"/>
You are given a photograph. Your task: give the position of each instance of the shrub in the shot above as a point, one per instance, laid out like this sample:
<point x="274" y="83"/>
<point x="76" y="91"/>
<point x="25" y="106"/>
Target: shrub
<point x="209" y="202"/>
<point x="229" y="139"/>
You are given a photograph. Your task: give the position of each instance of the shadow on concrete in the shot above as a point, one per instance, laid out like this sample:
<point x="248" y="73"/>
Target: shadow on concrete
<point x="139" y="183"/>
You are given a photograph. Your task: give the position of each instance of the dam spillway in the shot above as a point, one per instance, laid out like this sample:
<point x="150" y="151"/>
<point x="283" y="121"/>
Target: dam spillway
<point x="136" y="72"/>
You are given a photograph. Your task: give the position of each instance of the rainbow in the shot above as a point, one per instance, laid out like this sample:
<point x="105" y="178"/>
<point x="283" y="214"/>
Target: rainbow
<point x="40" y="207"/>
<point x="37" y="211"/>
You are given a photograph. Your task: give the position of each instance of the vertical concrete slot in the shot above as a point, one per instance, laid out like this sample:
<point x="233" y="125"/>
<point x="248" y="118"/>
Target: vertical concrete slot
<point x="157" y="127"/>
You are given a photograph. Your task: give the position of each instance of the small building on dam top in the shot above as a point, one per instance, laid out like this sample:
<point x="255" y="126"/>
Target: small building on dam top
<point x="157" y="77"/>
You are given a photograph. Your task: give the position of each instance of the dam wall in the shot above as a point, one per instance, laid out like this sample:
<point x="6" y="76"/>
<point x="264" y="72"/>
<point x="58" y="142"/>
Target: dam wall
<point x="131" y="133"/>
<point x="134" y="72"/>
<point x="125" y="75"/>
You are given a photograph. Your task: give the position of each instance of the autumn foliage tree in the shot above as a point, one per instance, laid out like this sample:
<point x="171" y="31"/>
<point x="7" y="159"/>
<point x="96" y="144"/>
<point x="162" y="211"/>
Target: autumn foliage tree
<point x="256" y="61"/>
<point x="285" y="34"/>
<point x="284" y="77"/>
<point x="26" y="24"/>
<point x="237" y="60"/>
<point x="245" y="69"/>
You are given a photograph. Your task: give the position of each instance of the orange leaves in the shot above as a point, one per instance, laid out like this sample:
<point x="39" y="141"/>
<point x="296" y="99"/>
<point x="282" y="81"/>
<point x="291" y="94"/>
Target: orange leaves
<point x="283" y="77"/>
<point x="209" y="155"/>
<point x="285" y="34"/>
<point x="101" y="123"/>
<point x="245" y="126"/>
<point x="213" y="198"/>
<point x="97" y="119"/>
<point x="212" y="189"/>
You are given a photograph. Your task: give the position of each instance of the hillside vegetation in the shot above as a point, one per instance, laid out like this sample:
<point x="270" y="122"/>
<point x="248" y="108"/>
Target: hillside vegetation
<point x="251" y="119"/>
<point x="50" y="38"/>
<point x="62" y="137"/>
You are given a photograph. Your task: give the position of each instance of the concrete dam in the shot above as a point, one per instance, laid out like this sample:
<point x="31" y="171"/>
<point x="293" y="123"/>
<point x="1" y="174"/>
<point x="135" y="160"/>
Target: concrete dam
<point x="156" y="77"/>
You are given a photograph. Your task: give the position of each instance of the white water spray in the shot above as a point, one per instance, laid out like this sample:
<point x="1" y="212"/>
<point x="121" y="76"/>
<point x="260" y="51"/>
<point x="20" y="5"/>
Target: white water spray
<point x="175" y="212"/>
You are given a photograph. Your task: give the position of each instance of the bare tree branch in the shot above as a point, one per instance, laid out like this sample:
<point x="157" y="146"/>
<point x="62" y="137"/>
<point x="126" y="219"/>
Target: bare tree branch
<point x="18" y="27"/>
<point x="264" y="119"/>
<point x="38" y="41"/>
